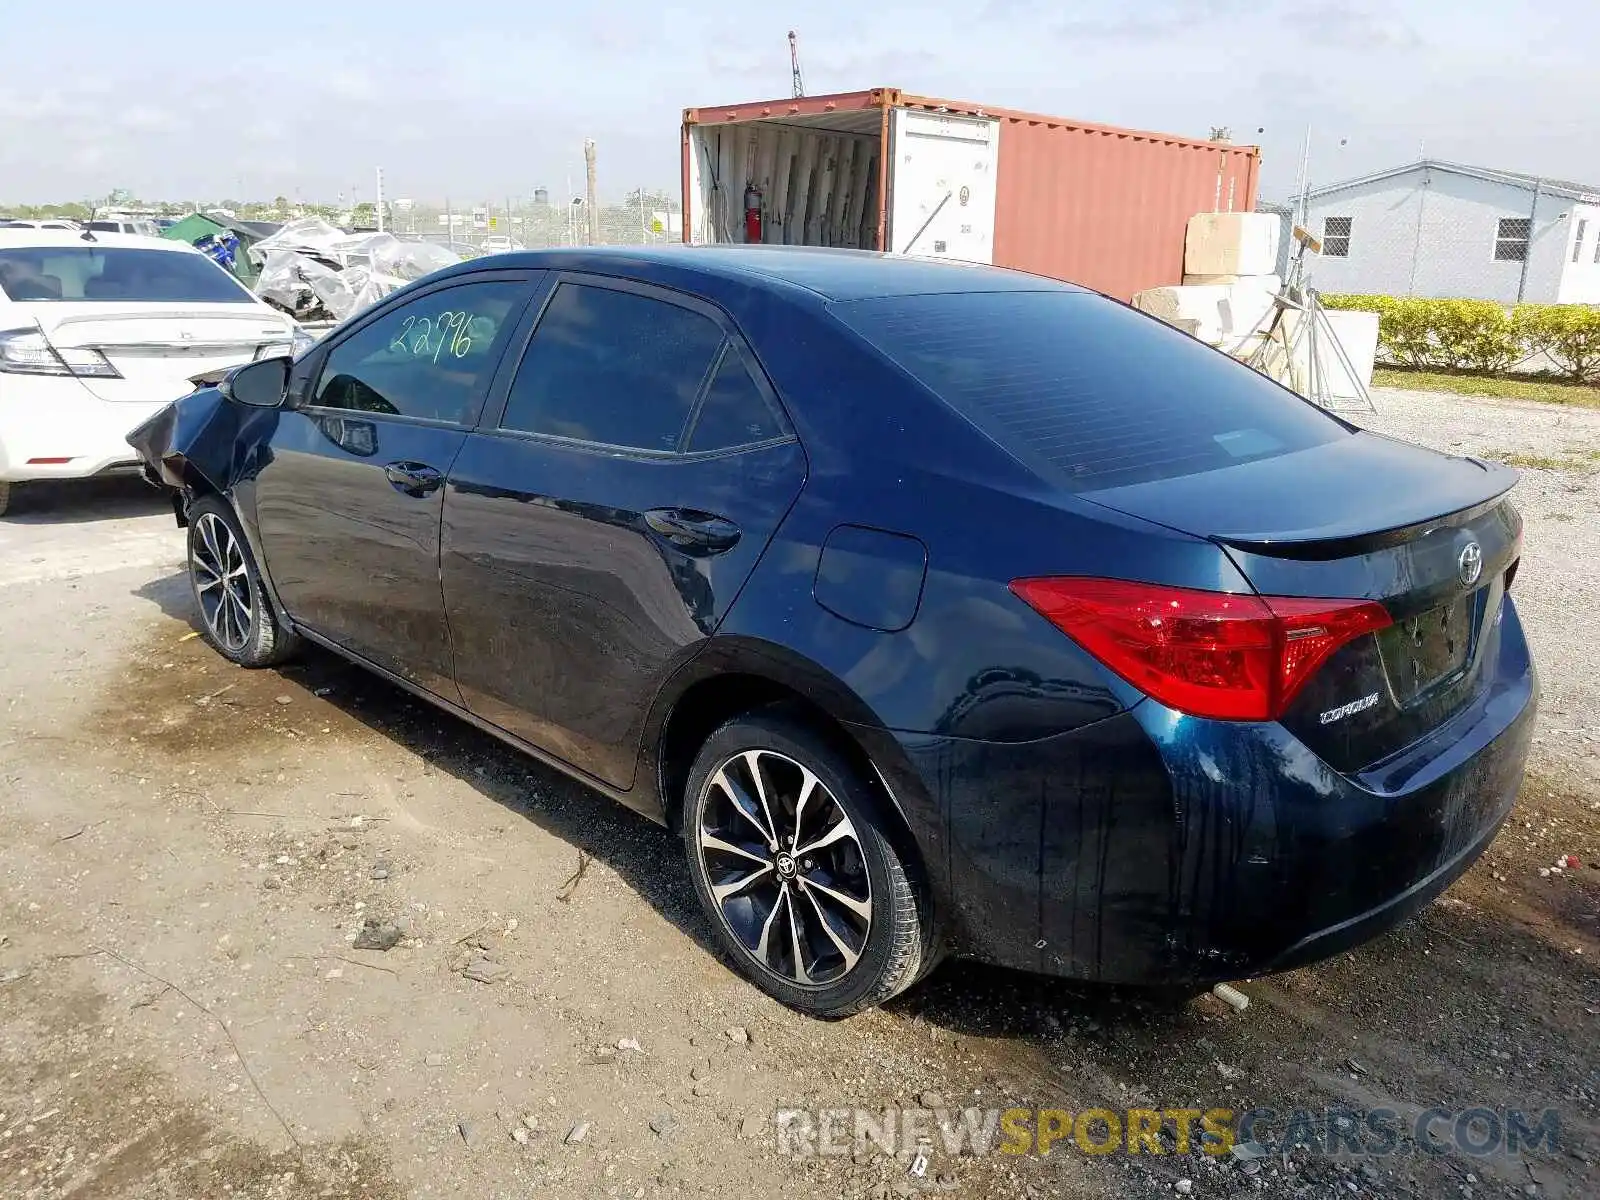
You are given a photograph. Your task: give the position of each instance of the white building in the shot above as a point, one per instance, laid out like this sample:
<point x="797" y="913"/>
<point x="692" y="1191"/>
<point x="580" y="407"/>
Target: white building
<point x="1445" y="230"/>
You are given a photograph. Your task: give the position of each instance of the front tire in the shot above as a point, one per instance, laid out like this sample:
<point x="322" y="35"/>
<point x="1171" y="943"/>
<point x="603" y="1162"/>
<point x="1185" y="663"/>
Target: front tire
<point x="792" y="863"/>
<point x="236" y="616"/>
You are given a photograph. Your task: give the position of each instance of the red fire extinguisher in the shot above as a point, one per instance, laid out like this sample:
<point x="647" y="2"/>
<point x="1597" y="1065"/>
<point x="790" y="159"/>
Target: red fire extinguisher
<point x="752" y="213"/>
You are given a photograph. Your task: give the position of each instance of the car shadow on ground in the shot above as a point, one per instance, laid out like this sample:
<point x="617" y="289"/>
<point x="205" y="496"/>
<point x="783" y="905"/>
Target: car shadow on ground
<point x="647" y="856"/>
<point x="1490" y="975"/>
<point x="79" y="501"/>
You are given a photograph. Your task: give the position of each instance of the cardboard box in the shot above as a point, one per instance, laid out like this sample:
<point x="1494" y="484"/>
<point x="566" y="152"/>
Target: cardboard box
<point x="1237" y="243"/>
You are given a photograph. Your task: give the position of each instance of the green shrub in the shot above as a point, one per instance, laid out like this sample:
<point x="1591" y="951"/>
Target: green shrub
<point x="1481" y="335"/>
<point x="1568" y="333"/>
<point x="1478" y="335"/>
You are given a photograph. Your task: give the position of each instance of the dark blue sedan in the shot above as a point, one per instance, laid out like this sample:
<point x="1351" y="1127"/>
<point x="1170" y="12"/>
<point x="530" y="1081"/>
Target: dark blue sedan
<point x="941" y="608"/>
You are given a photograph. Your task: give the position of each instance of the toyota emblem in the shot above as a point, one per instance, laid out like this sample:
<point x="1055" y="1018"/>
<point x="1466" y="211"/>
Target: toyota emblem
<point x="1470" y="564"/>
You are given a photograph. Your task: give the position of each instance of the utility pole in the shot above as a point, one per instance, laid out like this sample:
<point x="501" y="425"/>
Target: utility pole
<point x="589" y="192"/>
<point x="1527" y="252"/>
<point x="1305" y="179"/>
<point x="380" y="199"/>
<point x="797" y="84"/>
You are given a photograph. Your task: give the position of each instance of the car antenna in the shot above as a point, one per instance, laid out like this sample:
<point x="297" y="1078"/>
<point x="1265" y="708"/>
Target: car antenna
<point x="88" y="234"/>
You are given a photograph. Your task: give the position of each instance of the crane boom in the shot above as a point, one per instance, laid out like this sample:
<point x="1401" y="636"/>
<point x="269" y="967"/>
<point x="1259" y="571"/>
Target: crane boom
<point x="799" y="86"/>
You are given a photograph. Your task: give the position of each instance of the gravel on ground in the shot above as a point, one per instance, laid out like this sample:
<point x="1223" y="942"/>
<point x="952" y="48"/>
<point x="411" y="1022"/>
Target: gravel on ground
<point x="293" y="933"/>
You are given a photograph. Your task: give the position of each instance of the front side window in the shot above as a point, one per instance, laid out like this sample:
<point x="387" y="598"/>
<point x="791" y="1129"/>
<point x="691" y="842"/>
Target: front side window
<point x="1577" y="240"/>
<point x="1511" y="239"/>
<point x="88" y="272"/>
<point x="612" y="367"/>
<point x="1336" y="236"/>
<point x="432" y="358"/>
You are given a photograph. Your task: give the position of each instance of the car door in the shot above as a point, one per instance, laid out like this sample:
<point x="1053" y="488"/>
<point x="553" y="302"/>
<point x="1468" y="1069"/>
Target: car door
<point x="600" y="525"/>
<point x="348" y="505"/>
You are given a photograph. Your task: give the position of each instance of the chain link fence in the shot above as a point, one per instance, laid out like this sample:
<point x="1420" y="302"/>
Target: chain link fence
<point x="647" y="217"/>
<point x="1442" y="235"/>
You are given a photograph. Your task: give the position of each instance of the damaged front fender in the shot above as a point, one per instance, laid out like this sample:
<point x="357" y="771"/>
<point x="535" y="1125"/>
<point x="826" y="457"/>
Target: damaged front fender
<point x="204" y="442"/>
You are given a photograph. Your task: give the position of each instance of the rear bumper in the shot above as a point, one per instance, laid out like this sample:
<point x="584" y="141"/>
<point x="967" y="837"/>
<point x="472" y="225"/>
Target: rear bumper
<point x="45" y="417"/>
<point x="1157" y="848"/>
<point x="1336" y="939"/>
<point x="80" y="466"/>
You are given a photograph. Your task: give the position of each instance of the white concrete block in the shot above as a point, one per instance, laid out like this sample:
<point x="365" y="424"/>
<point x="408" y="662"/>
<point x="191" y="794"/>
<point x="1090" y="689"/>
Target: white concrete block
<point x="1269" y="282"/>
<point x="1247" y="307"/>
<point x="1196" y="311"/>
<point x="1240" y="243"/>
<point x="1220" y="314"/>
<point x="1358" y="334"/>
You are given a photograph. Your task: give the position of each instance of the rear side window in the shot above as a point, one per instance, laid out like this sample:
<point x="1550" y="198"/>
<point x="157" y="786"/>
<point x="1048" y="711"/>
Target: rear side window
<point x="1085" y="390"/>
<point x="734" y="411"/>
<point x="88" y="273"/>
<point x="612" y="367"/>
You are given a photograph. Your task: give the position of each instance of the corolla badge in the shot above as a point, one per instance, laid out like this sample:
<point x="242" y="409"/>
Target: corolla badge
<point x="1470" y="564"/>
<point x="1345" y="710"/>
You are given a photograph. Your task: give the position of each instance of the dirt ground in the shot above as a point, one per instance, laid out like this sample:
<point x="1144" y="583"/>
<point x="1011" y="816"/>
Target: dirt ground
<point x="191" y="851"/>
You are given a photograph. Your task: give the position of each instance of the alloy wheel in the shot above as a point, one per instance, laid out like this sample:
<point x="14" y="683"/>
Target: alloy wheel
<point x="785" y="867"/>
<point x="222" y="582"/>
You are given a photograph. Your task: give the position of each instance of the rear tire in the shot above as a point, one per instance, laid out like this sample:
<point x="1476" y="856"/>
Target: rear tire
<point x="810" y="898"/>
<point x="5" y="496"/>
<point x="236" y="616"/>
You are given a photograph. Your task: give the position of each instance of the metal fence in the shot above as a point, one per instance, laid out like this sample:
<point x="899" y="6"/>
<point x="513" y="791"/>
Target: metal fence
<point x="648" y="217"/>
<point x="1449" y="235"/>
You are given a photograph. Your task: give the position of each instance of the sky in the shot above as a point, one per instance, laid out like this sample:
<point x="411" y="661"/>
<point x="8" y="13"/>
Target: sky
<point x="477" y="102"/>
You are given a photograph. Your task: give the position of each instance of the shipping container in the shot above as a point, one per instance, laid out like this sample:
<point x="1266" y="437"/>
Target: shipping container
<point x="880" y="169"/>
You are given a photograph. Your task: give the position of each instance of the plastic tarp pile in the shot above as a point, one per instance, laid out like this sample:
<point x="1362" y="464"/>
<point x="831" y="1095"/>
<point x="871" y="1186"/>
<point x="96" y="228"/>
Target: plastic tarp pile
<point x="316" y="272"/>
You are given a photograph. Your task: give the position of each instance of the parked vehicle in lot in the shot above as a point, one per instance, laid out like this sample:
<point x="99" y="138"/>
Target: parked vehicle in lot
<point x="498" y="243"/>
<point x="142" y="226"/>
<point x="95" y="336"/>
<point x="47" y="223"/>
<point x="940" y="608"/>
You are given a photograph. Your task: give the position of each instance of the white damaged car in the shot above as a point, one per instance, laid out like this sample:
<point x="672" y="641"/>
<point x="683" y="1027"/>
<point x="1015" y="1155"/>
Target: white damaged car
<point x="98" y="332"/>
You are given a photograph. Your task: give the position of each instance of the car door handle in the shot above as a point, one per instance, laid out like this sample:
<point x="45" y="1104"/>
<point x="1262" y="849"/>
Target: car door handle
<point x="413" y="478"/>
<point x="694" y="531"/>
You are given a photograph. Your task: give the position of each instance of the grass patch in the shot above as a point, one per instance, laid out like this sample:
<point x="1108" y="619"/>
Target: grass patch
<point x="1547" y="391"/>
<point x="1552" y="462"/>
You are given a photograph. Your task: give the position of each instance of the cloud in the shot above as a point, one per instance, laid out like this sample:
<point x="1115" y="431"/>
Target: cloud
<point x="351" y="83"/>
<point x="145" y="118"/>
<point x="1155" y="22"/>
<point x="1345" y="28"/>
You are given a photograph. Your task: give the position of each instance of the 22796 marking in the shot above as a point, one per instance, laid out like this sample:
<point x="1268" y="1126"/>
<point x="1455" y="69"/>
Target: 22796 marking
<point x="426" y="337"/>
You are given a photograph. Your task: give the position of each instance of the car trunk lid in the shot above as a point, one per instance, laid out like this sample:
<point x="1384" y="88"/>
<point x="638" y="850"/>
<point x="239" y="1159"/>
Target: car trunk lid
<point x="159" y="347"/>
<point x="1428" y="536"/>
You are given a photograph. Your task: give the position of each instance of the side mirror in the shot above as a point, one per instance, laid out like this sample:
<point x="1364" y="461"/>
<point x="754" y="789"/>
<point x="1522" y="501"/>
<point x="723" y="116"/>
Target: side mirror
<point x="258" y="384"/>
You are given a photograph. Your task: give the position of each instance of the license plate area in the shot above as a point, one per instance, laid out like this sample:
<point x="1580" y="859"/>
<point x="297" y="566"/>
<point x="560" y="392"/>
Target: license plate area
<point x="1431" y="649"/>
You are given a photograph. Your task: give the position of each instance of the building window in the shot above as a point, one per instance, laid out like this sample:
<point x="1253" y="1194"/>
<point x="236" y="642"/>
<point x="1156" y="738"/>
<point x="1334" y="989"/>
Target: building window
<point x="1511" y="239"/>
<point x="1577" y="241"/>
<point x="1336" y="237"/>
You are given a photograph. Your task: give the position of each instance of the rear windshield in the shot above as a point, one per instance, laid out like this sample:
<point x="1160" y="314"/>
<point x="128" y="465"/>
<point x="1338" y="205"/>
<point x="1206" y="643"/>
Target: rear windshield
<point x="89" y="273"/>
<point x="1085" y="390"/>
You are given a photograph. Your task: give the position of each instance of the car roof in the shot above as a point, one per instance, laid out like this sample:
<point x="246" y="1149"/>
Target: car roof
<point x="826" y="273"/>
<point x="68" y="238"/>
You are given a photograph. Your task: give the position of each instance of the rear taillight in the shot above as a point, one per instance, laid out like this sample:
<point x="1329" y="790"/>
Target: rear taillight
<point x="1209" y="654"/>
<point x="27" y="352"/>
